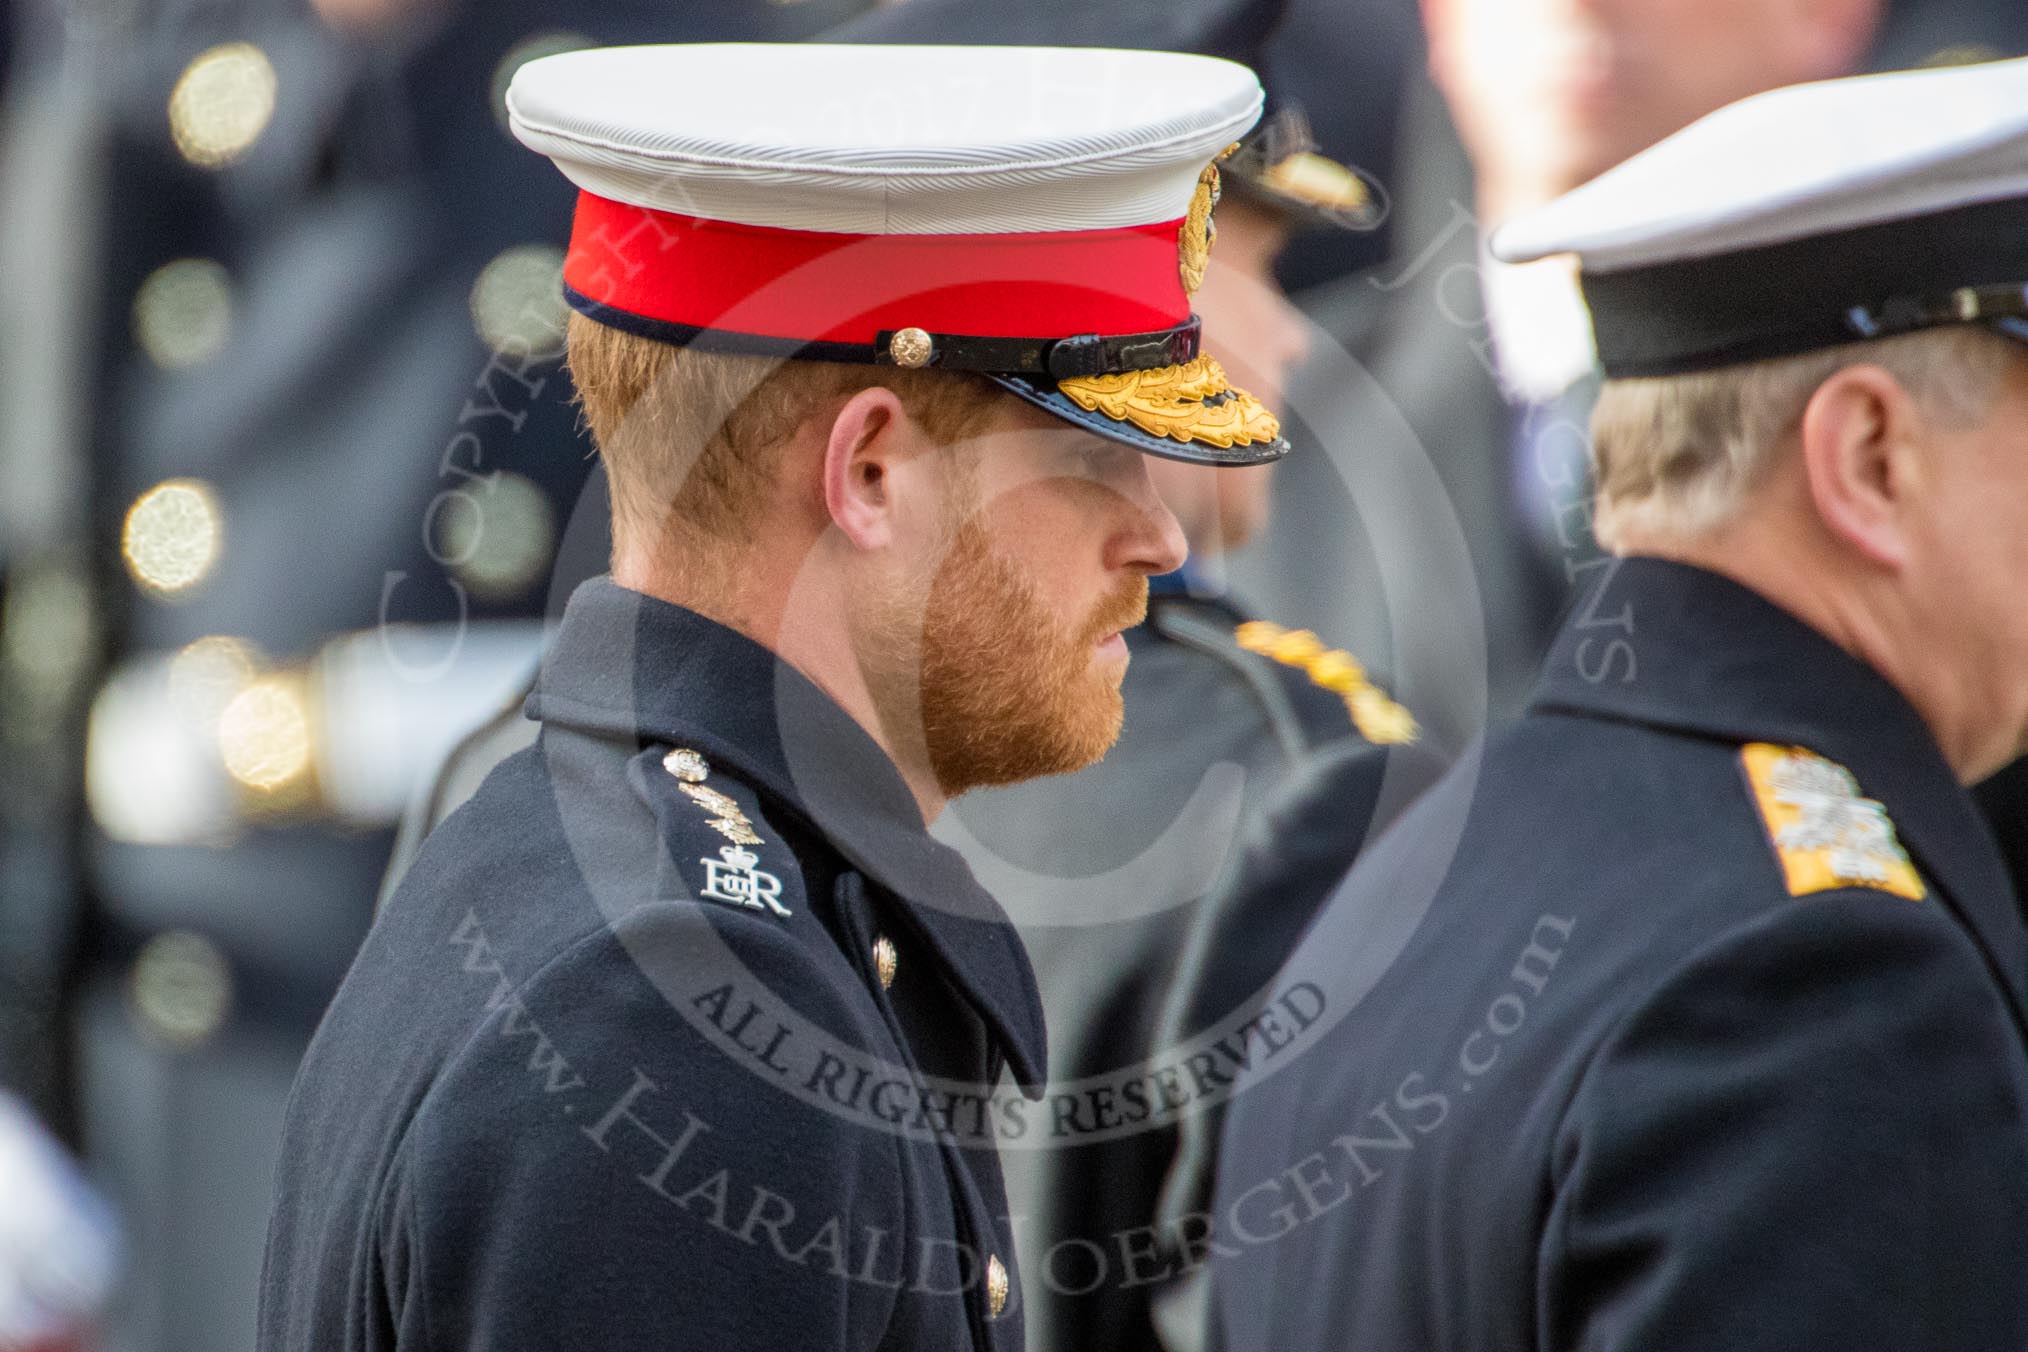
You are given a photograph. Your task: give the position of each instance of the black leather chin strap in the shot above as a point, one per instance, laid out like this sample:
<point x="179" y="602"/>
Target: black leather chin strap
<point x="1086" y="354"/>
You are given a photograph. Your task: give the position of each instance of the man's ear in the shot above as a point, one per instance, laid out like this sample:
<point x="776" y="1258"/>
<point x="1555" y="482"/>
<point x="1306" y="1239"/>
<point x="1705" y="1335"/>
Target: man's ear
<point x="1862" y="437"/>
<point x="860" y="457"/>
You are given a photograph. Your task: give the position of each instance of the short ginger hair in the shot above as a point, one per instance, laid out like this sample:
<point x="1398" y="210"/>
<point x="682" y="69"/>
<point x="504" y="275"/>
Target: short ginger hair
<point x="692" y="440"/>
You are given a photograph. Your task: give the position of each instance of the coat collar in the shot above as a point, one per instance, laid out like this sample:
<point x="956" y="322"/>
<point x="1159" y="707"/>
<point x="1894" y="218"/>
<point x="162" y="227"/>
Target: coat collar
<point x="628" y="665"/>
<point x="1682" y="648"/>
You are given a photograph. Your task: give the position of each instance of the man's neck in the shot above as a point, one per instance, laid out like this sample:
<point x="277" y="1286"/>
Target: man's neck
<point x="800" y="618"/>
<point x="813" y="639"/>
<point x="1832" y="598"/>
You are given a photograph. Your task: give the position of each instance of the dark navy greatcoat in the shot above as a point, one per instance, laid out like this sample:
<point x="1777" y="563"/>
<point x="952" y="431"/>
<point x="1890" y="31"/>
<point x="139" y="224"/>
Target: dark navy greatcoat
<point x="655" y="1051"/>
<point x="1593" y="1075"/>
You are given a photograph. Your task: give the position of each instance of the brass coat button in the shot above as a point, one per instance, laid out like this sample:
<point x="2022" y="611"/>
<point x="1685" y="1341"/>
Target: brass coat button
<point x="885" y="960"/>
<point x="996" y="1286"/>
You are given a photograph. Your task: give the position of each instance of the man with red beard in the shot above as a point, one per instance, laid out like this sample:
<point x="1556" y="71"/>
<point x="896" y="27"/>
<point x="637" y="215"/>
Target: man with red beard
<point x="1110" y="873"/>
<point x="683" y="1032"/>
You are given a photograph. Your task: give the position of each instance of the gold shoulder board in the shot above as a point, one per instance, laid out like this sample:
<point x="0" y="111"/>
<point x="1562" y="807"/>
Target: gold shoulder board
<point x="1824" y="832"/>
<point x="1379" y="719"/>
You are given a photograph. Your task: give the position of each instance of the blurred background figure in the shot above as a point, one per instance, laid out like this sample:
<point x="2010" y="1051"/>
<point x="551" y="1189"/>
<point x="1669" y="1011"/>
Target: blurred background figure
<point x="1486" y="367"/>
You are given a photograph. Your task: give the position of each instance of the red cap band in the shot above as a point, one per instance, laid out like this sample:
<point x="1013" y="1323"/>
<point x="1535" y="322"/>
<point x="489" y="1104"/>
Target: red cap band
<point x="820" y="286"/>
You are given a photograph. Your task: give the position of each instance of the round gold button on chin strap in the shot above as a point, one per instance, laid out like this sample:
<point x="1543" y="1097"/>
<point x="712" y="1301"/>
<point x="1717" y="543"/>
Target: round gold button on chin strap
<point x="996" y="1286"/>
<point x="911" y="347"/>
<point x="885" y="960"/>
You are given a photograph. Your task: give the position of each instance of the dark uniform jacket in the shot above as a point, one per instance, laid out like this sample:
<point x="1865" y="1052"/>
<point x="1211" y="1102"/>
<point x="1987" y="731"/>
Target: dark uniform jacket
<point x="1642" y="1032"/>
<point x="677" y="1035"/>
<point x="1111" y="875"/>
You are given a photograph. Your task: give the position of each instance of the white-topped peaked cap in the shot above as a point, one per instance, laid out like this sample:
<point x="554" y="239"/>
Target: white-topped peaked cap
<point x="1037" y="215"/>
<point x="1804" y="217"/>
<point x="886" y="140"/>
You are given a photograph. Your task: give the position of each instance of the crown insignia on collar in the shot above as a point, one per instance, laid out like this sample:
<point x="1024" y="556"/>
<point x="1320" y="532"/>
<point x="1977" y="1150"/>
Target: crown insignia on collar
<point x="1826" y="834"/>
<point x="733" y="878"/>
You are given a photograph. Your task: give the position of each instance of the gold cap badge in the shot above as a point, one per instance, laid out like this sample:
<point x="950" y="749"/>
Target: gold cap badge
<point x="1196" y="235"/>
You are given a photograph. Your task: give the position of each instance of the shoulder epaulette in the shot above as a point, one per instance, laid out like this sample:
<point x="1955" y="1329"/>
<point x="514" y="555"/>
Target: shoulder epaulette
<point x="1379" y="719"/>
<point x="1824" y="832"/>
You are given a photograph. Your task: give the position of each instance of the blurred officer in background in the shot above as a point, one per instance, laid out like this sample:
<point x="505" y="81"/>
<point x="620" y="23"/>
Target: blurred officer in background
<point x="881" y="515"/>
<point x="1444" y="330"/>
<point x="1487" y="367"/>
<point x="1695" y="1018"/>
<point x="288" y="466"/>
<point x="1106" y="872"/>
<point x="1491" y="363"/>
<point x="1345" y="63"/>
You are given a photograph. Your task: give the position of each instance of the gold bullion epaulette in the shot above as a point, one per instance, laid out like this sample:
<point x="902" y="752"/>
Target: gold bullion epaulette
<point x="1824" y="832"/>
<point x="1379" y="719"/>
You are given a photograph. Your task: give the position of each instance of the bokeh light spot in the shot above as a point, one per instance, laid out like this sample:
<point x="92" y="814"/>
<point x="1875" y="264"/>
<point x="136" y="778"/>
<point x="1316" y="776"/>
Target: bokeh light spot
<point x="172" y="536"/>
<point x="221" y="104"/>
<point x="181" y="988"/>
<point x="209" y="674"/>
<point x="521" y="53"/>
<point x="517" y="303"/>
<point x="503" y="545"/>
<point x="183" y="312"/>
<point x="264" y="734"/>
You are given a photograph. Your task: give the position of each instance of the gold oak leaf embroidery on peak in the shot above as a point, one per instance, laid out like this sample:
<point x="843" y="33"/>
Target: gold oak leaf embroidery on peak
<point x="1191" y="402"/>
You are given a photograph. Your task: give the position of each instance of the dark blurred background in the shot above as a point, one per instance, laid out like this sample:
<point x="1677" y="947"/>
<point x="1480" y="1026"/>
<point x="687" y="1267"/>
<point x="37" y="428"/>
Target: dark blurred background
<point x="289" y="479"/>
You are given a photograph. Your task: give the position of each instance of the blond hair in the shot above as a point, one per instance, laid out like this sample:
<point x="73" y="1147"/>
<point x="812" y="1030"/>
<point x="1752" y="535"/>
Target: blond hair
<point x="693" y="440"/>
<point x="1674" y="456"/>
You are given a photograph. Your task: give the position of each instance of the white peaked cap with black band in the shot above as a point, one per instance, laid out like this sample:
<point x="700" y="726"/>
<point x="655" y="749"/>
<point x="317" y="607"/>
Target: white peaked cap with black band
<point x="1804" y="218"/>
<point x="1037" y="216"/>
